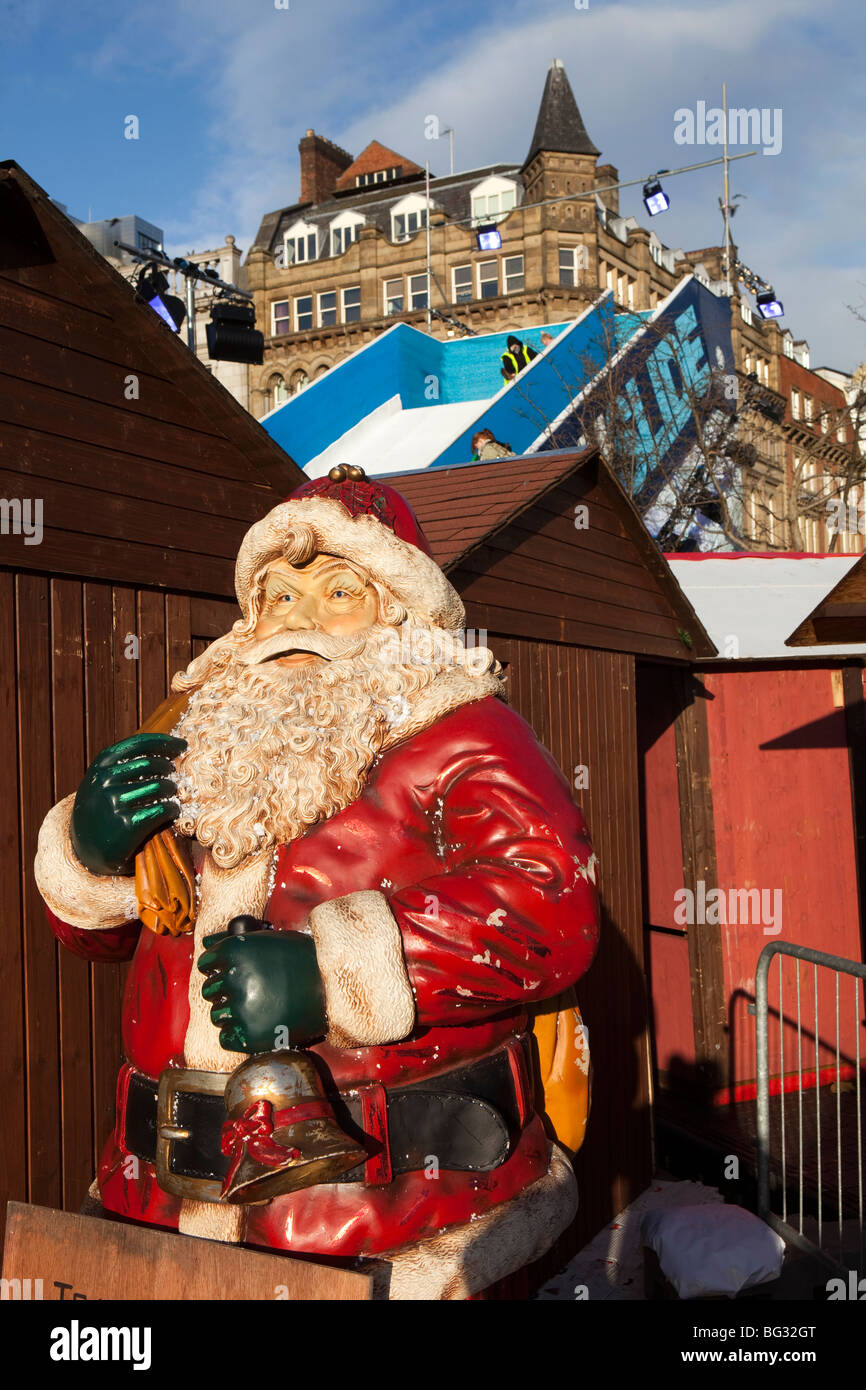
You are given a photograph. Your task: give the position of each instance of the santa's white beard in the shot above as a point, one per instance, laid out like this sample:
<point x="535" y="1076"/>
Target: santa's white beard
<point x="272" y="750"/>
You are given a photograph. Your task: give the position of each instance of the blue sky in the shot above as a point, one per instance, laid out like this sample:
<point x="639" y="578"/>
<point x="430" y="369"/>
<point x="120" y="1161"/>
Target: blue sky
<point x="224" y="91"/>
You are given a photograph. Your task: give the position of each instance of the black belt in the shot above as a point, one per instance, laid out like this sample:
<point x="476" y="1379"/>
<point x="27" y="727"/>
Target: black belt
<point x="466" y="1119"/>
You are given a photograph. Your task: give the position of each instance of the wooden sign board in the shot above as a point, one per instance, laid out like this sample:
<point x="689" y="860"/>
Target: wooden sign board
<point x="86" y="1257"/>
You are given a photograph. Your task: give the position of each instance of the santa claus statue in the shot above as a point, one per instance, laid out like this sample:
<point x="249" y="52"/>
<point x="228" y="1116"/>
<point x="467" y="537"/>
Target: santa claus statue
<point x="355" y="891"/>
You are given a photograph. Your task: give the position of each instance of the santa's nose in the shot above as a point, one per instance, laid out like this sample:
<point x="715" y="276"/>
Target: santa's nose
<point x="301" y="615"/>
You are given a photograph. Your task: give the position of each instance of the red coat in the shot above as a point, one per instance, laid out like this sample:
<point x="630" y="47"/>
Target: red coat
<point x="473" y="816"/>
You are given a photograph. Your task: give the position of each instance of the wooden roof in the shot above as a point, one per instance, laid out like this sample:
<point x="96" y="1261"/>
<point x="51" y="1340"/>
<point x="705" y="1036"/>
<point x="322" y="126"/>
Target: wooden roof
<point x="147" y="469"/>
<point x="840" y="616"/>
<point x="512" y="541"/>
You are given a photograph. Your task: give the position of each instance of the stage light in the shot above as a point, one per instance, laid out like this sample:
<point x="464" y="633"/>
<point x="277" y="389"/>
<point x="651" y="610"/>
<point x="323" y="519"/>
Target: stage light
<point x="655" y="199"/>
<point x="488" y="237"/>
<point x="151" y="287"/>
<point x="769" y="307"/>
<point x="231" y="335"/>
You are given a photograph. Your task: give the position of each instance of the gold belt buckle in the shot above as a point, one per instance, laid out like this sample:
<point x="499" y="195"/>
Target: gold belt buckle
<point x="173" y="1082"/>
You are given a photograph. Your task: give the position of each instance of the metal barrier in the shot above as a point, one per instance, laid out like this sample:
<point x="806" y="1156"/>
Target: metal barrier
<point x="847" y="1239"/>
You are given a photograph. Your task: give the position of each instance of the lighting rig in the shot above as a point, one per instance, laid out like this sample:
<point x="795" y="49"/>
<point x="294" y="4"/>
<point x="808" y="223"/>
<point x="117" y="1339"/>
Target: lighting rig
<point x="231" y="333"/>
<point x="768" y="304"/>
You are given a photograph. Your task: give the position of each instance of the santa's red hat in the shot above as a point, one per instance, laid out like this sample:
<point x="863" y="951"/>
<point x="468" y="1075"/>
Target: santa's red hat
<point x="364" y="521"/>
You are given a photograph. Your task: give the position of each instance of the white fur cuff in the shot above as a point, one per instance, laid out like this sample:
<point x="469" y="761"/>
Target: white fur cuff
<point x="368" y="996"/>
<point x="72" y="892"/>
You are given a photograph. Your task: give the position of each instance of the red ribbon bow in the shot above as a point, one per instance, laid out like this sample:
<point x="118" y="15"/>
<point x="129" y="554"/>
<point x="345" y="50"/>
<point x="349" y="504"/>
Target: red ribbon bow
<point x="253" y="1134"/>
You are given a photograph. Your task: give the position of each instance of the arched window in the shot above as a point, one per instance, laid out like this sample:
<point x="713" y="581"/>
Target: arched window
<point x="299" y="380"/>
<point x="493" y="198"/>
<point x="278" y="391"/>
<point x="344" y="230"/>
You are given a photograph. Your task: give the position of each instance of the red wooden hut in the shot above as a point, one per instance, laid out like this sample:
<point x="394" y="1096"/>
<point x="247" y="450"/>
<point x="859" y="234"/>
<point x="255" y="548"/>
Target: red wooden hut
<point x="753" y="768"/>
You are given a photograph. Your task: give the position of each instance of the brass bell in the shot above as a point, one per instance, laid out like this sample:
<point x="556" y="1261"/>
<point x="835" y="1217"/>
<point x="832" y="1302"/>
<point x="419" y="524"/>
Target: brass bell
<point x="281" y="1133"/>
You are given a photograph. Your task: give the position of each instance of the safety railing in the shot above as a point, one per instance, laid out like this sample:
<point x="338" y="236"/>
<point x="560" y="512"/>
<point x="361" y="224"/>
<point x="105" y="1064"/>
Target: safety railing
<point x="818" y="1185"/>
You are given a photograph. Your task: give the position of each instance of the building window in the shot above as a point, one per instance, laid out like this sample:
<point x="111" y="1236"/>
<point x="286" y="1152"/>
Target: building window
<point x="378" y="176"/>
<point x="148" y="243"/>
<point x="620" y="289"/>
<point x="630" y="292"/>
<point x="408" y="215"/>
<point x="488" y="279"/>
<point x="418" y="291"/>
<point x="394" y="296"/>
<point x="569" y="265"/>
<point x="300" y="248"/>
<point x="840" y="434"/>
<point x="280" y="320"/>
<point x="278" y="390"/>
<point x="513" y="269"/>
<point x="406" y="224"/>
<point x="493" y="199"/>
<point x="342" y="237"/>
<point x="327" y="308"/>
<point x="352" y="304"/>
<point x="795" y="405"/>
<point x="807" y="407"/>
<point x="485" y="207"/>
<point x="303" y="313"/>
<point x="609" y="279"/>
<point x="461" y="283"/>
<point x="298" y="382"/>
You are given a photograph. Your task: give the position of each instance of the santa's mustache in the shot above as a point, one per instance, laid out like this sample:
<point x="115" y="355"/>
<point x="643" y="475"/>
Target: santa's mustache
<point x="317" y="643"/>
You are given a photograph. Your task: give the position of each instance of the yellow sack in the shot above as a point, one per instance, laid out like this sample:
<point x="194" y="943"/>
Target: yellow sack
<point x="564" y="1065"/>
<point x="164" y="880"/>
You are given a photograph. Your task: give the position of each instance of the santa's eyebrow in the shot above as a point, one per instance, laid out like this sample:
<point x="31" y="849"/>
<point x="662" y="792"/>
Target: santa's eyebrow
<point x="347" y="567"/>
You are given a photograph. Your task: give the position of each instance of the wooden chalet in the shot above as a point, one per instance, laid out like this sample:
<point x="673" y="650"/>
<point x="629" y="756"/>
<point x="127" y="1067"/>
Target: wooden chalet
<point x="840" y="616"/>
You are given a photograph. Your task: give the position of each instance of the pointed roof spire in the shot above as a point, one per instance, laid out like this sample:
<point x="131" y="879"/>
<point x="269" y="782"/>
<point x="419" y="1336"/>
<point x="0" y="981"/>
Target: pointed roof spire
<point x="560" y="124"/>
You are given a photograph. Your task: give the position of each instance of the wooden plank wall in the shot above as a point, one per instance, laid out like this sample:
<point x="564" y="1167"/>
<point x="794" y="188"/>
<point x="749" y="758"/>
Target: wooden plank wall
<point x="68" y="690"/>
<point x="130" y="470"/>
<point x="581" y="703"/>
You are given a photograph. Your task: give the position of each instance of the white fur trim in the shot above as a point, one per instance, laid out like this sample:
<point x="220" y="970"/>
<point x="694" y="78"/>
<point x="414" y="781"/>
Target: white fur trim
<point x="225" y="893"/>
<point x="414" y="578"/>
<point x="359" y="949"/>
<point x="85" y="900"/>
<point x="213" y="1221"/>
<point x="462" y="1260"/>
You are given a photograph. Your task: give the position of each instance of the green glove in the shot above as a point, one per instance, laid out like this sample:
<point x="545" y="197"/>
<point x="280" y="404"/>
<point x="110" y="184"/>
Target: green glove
<point x="124" y="798"/>
<point x="263" y="985"/>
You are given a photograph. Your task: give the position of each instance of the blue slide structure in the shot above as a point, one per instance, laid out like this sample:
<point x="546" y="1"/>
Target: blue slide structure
<point x="408" y="400"/>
